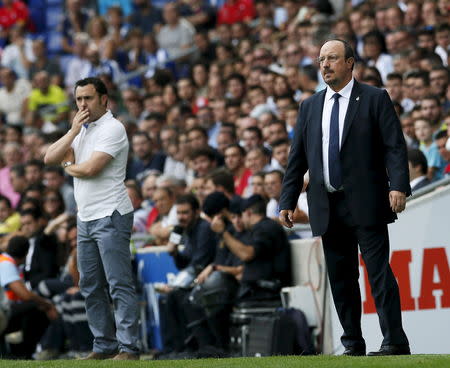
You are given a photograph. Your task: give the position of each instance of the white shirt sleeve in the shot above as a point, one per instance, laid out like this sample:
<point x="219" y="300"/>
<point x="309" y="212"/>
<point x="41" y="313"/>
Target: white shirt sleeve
<point x="113" y="141"/>
<point x="8" y="273"/>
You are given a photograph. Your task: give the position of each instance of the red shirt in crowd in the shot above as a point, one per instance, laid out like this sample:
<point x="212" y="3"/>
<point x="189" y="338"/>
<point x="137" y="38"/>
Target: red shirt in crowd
<point x="15" y="12"/>
<point x="234" y="11"/>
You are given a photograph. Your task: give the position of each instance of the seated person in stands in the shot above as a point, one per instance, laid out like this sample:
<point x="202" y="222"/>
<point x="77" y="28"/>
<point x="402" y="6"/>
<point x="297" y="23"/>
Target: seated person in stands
<point x="71" y="329"/>
<point x="9" y="219"/>
<point x="199" y="247"/>
<point x="418" y="169"/>
<point x="163" y="224"/>
<point x="209" y="305"/>
<point x="29" y="312"/>
<point x="265" y="255"/>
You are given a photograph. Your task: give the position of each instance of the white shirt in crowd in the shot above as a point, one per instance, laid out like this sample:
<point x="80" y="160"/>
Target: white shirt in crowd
<point x="11" y="102"/>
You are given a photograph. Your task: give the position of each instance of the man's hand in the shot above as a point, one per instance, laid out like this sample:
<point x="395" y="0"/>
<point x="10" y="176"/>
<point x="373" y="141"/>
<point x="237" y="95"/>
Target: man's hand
<point x="80" y="118"/>
<point x="397" y="201"/>
<point x="201" y="278"/>
<point x="217" y="224"/>
<point x="287" y="218"/>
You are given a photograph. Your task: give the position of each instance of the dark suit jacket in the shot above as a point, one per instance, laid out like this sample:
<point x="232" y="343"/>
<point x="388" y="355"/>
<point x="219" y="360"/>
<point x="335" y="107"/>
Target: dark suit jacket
<point x="423" y="183"/>
<point x="44" y="264"/>
<point x="373" y="159"/>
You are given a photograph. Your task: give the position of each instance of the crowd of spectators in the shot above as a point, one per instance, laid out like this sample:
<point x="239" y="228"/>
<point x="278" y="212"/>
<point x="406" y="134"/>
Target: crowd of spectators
<point x="209" y="94"/>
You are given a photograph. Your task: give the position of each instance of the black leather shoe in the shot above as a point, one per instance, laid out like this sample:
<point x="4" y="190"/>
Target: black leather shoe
<point x="391" y="350"/>
<point x="354" y="351"/>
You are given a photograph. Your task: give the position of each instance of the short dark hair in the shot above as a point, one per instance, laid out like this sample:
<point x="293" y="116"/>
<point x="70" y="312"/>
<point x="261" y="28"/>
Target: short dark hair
<point x="19" y="170"/>
<point x="348" y="49"/>
<point x="34" y="162"/>
<point x="255" y="130"/>
<point x="276" y="172"/>
<point x="392" y="76"/>
<point x="141" y="133"/>
<point x="54" y="169"/>
<point x="258" y="207"/>
<point x="198" y="128"/>
<point x="280" y="142"/>
<point x="6" y="200"/>
<point x="207" y="152"/>
<point x="223" y="178"/>
<point x="36" y="213"/>
<point x="440" y="134"/>
<point x="98" y="84"/>
<point x="417" y="158"/>
<point x="238" y="146"/>
<point x="189" y="199"/>
<point x="18" y="247"/>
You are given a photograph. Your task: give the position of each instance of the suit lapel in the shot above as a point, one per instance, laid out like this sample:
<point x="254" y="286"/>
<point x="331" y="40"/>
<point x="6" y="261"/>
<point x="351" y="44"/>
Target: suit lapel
<point x="353" y="105"/>
<point x="317" y="130"/>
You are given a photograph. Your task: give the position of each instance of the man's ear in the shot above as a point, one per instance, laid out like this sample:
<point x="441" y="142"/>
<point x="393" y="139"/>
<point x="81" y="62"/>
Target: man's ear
<point x="350" y="61"/>
<point x="104" y="100"/>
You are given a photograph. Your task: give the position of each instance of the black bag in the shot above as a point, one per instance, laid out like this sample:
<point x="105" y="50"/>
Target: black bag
<point x="285" y="332"/>
<point x="271" y="335"/>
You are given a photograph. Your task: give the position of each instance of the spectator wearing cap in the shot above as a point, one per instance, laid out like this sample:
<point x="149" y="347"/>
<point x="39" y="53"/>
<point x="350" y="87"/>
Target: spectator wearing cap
<point x="12" y="96"/>
<point x="418" y="169"/>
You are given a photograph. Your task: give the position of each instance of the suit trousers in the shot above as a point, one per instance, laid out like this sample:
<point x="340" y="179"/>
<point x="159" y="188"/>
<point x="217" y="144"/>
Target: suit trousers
<point x="340" y="243"/>
<point x="104" y="262"/>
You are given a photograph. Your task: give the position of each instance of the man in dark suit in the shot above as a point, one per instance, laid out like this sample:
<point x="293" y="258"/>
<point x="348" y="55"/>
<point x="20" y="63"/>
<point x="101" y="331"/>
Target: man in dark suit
<point x="418" y="168"/>
<point x="350" y="139"/>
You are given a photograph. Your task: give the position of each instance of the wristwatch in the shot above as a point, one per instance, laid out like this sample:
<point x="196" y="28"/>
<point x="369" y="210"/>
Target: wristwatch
<point x="67" y="163"/>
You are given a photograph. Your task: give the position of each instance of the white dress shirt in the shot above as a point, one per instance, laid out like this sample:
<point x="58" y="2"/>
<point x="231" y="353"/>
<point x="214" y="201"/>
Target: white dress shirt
<point x="326" y="117"/>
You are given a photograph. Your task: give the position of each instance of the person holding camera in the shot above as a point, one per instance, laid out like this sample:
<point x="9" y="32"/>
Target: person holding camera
<point x="199" y="247"/>
<point x="266" y="256"/>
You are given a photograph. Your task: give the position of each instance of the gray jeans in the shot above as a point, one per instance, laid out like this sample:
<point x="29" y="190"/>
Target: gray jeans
<point x="104" y="261"/>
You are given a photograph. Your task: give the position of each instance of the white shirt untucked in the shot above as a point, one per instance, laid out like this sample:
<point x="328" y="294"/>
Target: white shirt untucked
<point x="101" y="195"/>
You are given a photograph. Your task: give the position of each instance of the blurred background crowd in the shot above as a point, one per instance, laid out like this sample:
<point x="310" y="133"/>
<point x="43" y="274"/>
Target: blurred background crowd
<point x="208" y="92"/>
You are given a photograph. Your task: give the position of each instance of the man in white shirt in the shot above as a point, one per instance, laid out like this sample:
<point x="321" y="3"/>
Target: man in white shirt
<point x="94" y="151"/>
<point x="12" y="95"/>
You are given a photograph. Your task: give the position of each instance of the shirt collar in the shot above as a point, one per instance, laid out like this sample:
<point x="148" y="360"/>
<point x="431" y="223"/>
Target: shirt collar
<point x="416" y="180"/>
<point x="106" y="116"/>
<point x="344" y="92"/>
